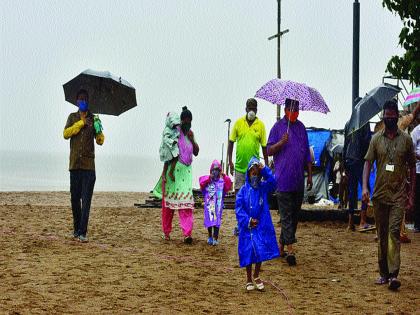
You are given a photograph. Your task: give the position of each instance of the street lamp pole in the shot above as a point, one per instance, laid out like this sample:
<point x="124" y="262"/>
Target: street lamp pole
<point x="278" y="36"/>
<point x="356" y="49"/>
<point x="227" y="157"/>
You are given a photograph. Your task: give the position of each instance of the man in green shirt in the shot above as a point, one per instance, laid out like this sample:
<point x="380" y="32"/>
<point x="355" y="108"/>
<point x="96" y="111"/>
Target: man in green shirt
<point x="393" y="152"/>
<point x="249" y="133"/>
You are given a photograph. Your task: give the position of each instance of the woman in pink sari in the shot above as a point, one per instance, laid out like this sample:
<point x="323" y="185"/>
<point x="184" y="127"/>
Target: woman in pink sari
<point x="177" y="194"/>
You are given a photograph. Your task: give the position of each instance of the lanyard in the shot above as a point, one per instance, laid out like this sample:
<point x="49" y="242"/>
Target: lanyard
<point x="390" y="152"/>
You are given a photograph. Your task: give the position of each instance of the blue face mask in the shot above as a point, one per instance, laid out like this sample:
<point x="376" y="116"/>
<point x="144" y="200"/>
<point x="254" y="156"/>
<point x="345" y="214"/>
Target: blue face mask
<point x="254" y="180"/>
<point x="83" y="105"/>
<point x="215" y="173"/>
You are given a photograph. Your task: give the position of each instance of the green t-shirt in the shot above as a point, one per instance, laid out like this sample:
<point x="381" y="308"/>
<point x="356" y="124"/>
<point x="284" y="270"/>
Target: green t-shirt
<point x="249" y="139"/>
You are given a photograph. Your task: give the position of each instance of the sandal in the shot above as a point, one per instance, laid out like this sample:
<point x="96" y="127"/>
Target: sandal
<point x="259" y="284"/>
<point x="188" y="240"/>
<point x="166" y="237"/>
<point x="249" y="286"/>
<point x="381" y="280"/>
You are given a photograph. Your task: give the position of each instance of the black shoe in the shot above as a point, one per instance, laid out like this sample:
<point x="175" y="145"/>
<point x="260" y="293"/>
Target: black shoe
<point x="291" y="259"/>
<point x="394" y="284"/>
<point x="188" y="240"/>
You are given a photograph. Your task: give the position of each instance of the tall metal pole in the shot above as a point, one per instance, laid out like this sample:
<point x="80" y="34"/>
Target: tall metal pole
<point x="278" y="47"/>
<point x="356" y="44"/>
<point x="278" y="35"/>
<point x="227" y="146"/>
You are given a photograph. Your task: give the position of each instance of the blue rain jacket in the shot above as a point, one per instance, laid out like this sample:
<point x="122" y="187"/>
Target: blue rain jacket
<point x="256" y="244"/>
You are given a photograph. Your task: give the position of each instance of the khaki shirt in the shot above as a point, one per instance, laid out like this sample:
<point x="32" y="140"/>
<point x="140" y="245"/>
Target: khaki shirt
<point x="82" y="147"/>
<point x="390" y="187"/>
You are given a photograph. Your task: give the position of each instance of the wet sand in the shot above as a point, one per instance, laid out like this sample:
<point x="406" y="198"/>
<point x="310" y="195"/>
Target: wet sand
<point x="127" y="268"/>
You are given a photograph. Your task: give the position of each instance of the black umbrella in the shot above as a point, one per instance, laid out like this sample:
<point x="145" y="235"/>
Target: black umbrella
<point x="371" y="104"/>
<point x="108" y="94"/>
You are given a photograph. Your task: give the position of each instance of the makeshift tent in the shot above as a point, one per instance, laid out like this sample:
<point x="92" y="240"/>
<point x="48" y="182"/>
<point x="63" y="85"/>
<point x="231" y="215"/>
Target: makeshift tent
<point x="319" y="140"/>
<point x="324" y="142"/>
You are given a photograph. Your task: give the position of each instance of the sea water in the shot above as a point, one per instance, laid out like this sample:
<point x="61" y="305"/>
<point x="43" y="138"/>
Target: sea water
<point x="48" y="171"/>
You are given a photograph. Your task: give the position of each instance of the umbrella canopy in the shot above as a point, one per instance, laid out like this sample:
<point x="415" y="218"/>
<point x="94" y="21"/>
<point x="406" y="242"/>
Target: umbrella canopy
<point x="413" y="97"/>
<point x="276" y="91"/>
<point x="371" y="104"/>
<point x="108" y="94"/>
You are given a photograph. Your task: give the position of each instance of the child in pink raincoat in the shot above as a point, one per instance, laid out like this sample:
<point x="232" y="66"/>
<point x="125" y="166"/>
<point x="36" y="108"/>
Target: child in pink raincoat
<point x="214" y="187"/>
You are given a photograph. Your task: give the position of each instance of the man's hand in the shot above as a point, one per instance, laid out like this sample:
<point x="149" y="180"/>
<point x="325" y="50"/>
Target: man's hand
<point x="83" y="116"/>
<point x="365" y="195"/>
<point x="254" y="222"/>
<point x="231" y="167"/>
<point x="309" y="183"/>
<point x="284" y="139"/>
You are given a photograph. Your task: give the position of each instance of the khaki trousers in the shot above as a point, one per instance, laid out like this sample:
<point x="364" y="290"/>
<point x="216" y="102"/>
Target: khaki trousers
<point x="388" y="220"/>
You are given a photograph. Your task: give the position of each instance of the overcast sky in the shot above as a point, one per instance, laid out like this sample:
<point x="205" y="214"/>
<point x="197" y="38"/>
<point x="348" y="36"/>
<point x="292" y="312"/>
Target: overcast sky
<point x="209" y="55"/>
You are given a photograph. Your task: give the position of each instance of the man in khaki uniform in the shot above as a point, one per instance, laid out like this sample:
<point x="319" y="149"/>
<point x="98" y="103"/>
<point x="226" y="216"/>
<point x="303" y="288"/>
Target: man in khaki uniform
<point x="404" y="123"/>
<point x="393" y="152"/>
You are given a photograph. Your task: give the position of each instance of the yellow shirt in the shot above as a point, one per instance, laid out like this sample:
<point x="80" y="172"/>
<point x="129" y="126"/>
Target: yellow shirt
<point x="249" y="139"/>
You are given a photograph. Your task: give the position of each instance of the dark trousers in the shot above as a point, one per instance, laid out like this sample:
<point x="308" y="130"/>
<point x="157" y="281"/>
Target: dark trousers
<point x="213" y="232"/>
<point x="290" y="204"/>
<point x="417" y="203"/>
<point x="354" y="170"/>
<point x="81" y="189"/>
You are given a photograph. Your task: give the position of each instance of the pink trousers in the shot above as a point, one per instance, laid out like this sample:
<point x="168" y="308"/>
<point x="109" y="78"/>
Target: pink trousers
<point x="186" y="220"/>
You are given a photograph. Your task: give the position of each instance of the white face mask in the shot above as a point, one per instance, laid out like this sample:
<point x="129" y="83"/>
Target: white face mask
<point x="251" y="115"/>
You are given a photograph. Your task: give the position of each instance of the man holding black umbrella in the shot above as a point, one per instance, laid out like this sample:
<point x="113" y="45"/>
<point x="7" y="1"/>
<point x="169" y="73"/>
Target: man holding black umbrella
<point x="356" y="145"/>
<point x="81" y="130"/>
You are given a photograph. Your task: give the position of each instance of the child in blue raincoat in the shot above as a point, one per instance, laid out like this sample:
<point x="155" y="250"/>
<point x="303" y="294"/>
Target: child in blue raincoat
<point x="257" y="238"/>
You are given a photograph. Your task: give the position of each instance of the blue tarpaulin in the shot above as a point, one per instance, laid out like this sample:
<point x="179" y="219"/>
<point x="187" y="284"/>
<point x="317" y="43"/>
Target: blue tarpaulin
<point x="318" y="139"/>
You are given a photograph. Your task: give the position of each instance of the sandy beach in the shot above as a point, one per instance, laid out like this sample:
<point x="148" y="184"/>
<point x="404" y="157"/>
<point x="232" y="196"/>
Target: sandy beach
<point x="126" y="267"/>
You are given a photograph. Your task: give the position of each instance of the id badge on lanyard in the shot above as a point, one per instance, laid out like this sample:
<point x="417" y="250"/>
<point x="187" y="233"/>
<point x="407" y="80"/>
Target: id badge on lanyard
<point x="389" y="167"/>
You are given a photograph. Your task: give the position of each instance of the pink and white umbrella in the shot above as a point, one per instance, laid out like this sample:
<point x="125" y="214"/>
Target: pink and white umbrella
<point x="276" y="91"/>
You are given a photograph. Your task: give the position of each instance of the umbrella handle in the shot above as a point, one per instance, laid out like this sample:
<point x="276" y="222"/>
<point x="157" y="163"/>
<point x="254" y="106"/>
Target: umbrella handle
<point x="288" y="118"/>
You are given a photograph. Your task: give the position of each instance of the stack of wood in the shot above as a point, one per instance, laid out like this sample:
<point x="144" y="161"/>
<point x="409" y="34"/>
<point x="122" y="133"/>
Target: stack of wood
<point x="325" y="214"/>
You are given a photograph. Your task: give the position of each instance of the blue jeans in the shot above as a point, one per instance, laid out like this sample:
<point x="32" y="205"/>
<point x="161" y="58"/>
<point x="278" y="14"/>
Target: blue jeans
<point x="354" y="170"/>
<point x="81" y="189"/>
